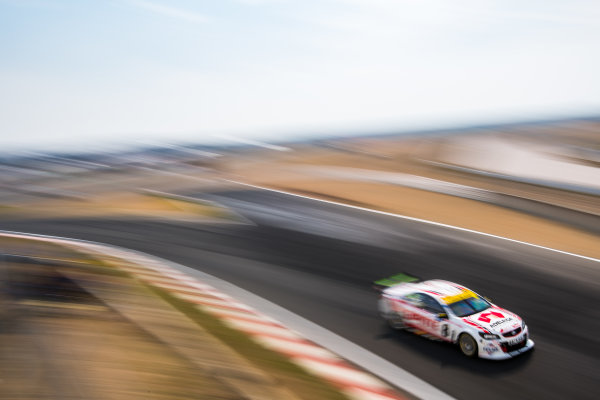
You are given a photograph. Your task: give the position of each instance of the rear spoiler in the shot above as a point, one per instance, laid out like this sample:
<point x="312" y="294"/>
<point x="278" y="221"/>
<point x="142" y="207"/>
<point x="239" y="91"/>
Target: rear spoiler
<point x="397" y="279"/>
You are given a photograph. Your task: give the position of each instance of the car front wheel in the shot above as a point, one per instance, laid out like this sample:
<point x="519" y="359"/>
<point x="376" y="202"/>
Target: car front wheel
<point x="468" y="345"/>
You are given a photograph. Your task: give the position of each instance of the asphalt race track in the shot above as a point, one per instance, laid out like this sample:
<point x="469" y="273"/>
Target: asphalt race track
<point x="318" y="260"/>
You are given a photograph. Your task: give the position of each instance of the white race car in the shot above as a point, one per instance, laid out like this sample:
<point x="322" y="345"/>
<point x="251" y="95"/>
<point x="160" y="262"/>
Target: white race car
<point x="447" y="311"/>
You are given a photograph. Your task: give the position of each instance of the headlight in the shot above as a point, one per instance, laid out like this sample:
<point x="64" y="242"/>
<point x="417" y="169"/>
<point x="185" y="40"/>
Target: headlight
<point x="523" y="324"/>
<point x="488" y="336"/>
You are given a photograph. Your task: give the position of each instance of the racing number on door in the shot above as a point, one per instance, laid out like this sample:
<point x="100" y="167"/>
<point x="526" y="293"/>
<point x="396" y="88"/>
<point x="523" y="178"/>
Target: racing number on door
<point x="445" y="330"/>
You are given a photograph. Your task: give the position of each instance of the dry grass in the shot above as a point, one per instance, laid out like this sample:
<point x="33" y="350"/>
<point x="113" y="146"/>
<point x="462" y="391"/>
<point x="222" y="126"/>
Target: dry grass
<point x="117" y="205"/>
<point x="303" y="384"/>
<point x="108" y="356"/>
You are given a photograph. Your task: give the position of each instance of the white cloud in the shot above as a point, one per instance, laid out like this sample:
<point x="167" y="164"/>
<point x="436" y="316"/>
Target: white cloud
<point x="171" y="11"/>
<point x="260" y="2"/>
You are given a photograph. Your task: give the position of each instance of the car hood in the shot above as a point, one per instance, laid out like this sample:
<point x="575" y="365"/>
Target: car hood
<point x="495" y="320"/>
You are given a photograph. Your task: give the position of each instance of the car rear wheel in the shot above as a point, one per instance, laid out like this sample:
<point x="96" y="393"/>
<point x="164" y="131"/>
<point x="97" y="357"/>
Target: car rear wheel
<point x="468" y="345"/>
<point x="395" y="321"/>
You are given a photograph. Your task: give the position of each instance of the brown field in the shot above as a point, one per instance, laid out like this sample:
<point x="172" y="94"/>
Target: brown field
<point x="287" y="171"/>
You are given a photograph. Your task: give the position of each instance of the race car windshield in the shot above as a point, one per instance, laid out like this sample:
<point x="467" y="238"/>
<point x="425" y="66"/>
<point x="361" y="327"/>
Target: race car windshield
<point x="471" y="305"/>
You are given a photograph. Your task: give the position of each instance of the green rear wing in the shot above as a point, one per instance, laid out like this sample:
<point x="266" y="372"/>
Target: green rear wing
<point x="397" y="279"/>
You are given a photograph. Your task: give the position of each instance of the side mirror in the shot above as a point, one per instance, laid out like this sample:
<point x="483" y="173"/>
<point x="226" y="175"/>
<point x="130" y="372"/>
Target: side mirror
<point x="442" y="315"/>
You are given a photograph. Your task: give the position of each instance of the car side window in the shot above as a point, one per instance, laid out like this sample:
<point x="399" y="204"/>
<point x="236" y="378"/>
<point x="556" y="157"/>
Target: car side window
<point x="414" y="299"/>
<point x="424" y="302"/>
<point x="432" y="305"/>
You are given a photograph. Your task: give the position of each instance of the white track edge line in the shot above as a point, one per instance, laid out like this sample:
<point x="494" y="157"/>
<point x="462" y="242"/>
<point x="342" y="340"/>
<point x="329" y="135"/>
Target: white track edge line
<point x="425" y="221"/>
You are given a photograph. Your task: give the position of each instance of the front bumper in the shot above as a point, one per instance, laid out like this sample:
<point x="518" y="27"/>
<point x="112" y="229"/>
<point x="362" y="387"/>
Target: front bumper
<point x="493" y="353"/>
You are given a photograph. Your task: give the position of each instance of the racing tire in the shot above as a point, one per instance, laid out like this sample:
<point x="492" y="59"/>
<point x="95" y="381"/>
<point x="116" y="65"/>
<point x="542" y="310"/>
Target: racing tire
<point x="395" y="321"/>
<point x="468" y="345"/>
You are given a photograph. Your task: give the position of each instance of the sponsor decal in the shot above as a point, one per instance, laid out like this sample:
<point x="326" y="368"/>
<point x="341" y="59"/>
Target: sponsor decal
<point x="423" y="321"/>
<point x="485" y="317"/>
<point x="494" y="324"/>
<point x="490" y="350"/>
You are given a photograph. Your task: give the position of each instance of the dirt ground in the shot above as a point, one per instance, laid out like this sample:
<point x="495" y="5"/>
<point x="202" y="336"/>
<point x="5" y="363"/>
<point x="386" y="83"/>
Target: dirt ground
<point x="116" y="204"/>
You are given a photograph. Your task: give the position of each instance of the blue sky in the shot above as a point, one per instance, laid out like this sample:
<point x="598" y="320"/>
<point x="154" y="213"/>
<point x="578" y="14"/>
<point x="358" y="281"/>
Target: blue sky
<point x="81" y="73"/>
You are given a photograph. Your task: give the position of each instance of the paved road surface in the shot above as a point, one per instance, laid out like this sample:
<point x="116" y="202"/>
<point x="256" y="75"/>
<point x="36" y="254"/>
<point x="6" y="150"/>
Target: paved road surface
<point x="318" y="260"/>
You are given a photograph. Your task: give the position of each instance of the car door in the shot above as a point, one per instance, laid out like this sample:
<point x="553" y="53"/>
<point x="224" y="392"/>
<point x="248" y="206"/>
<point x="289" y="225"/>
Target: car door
<point x="440" y="324"/>
<point x="418" y="313"/>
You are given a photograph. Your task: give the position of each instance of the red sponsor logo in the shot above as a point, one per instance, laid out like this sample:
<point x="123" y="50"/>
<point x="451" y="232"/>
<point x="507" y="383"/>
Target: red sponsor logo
<point x="425" y="322"/>
<point x="485" y="316"/>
